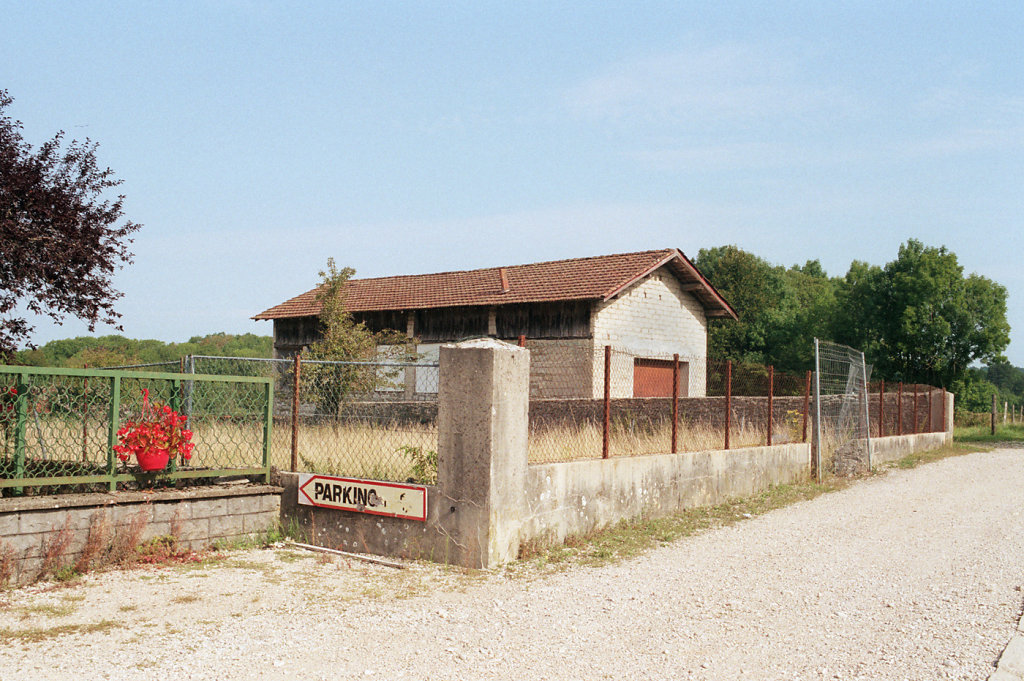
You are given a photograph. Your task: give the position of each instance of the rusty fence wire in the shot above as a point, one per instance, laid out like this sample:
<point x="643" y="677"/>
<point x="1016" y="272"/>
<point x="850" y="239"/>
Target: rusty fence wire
<point x="906" y="409"/>
<point x="594" y="402"/>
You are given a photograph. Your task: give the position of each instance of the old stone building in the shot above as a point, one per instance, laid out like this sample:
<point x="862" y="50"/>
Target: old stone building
<point x="648" y="306"/>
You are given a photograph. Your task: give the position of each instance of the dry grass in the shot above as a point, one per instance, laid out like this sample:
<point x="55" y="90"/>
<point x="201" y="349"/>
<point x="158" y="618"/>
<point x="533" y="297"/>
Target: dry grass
<point x="568" y="442"/>
<point x="55" y="548"/>
<point x="381" y="451"/>
<point x="6" y="564"/>
<point x="96" y="541"/>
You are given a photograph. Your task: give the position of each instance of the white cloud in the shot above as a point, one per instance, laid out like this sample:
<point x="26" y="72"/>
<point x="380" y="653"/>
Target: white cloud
<point x="704" y="84"/>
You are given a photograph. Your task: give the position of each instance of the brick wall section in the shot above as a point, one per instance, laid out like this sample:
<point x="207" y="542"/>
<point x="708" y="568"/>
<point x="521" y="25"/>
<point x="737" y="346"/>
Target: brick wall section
<point x="653" y="318"/>
<point x="197" y="517"/>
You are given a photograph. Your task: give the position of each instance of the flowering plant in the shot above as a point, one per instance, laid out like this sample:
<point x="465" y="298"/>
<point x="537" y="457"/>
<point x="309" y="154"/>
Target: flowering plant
<point x="7" y="399"/>
<point x="159" y="431"/>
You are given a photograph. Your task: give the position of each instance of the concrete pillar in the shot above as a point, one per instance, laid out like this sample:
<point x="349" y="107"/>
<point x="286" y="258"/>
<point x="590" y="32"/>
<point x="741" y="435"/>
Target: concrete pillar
<point x="949" y="415"/>
<point x="483" y="401"/>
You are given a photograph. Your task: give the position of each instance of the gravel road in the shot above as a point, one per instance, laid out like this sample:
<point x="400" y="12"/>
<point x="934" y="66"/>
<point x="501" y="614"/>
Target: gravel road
<point x="909" y="575"/>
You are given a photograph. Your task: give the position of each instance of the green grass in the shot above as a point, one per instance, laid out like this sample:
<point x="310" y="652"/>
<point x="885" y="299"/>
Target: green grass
<point x="918" y="458"/>
<point x="1004" y="433"/>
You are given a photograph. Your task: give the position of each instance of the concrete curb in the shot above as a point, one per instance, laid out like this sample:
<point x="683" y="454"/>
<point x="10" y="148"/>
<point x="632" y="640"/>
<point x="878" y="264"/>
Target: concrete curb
<point x="1011" y="662"/>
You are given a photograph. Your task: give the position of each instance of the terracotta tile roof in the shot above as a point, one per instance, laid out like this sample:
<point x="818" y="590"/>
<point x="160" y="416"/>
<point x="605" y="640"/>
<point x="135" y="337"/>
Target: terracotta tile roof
<point x="596" y="278"/>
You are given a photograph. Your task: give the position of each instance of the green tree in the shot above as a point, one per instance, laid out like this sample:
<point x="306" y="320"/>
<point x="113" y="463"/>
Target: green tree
<point x="342" y="338"/>
<point x="810" y="306"/>
<point x="780" y="311"/>
<point x="919" y="319"/>
<point x="756" y="290"/>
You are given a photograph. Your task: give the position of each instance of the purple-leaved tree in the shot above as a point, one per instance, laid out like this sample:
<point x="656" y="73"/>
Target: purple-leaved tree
<point x="60" y="236"/>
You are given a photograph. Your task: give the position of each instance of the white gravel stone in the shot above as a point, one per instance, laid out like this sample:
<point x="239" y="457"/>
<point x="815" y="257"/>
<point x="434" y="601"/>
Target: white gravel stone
<point x="909" y="575"/>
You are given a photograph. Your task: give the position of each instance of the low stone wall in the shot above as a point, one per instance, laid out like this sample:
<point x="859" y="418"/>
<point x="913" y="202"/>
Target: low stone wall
<point x="566" y="499"/>
<point x="46" y="533"/>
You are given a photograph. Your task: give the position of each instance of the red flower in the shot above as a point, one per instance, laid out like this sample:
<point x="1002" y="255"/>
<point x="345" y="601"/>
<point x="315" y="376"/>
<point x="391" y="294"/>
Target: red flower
<point x="159" y="428"/>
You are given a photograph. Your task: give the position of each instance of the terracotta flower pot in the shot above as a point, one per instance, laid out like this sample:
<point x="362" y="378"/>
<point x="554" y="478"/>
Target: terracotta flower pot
<point x="153" y="459"/>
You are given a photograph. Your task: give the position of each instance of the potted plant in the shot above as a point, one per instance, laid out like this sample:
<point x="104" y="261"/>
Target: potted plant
<point x="157" y="436"/>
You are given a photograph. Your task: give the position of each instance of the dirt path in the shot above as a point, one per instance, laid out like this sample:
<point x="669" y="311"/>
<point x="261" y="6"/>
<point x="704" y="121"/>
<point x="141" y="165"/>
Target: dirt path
<point x="911" y="575"/>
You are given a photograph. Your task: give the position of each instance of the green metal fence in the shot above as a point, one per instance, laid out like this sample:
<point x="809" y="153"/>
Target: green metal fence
<point x="58" y="427"/>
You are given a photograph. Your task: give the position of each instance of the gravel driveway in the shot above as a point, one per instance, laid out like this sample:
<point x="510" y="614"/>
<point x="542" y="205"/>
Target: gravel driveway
<point x="909" y="575"/>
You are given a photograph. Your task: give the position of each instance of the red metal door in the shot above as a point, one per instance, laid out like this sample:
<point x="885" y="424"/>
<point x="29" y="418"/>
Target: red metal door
<point x="652" y="377"/>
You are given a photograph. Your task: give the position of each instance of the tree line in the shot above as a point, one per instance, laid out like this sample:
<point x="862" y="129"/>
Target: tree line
<point x="107" y="351"/>
<point x="918" y="318"/>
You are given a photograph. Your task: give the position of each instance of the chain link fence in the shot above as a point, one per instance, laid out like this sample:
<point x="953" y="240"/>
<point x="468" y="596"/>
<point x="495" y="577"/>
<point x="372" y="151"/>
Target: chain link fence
<point x="588" y="402"/>
<point x="58" y="427"/>
<point x="843" y="433"/>
<point x="374" y="420"/>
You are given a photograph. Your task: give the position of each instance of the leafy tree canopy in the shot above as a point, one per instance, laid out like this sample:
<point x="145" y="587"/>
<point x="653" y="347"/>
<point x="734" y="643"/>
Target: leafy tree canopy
<point x="780" y="311"/>
<point x="919" y="319"/>
<point x="60" y="237"/>
<point x="104" y="351"/>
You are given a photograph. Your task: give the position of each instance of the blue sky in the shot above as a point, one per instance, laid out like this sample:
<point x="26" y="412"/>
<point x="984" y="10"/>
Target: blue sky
<point x="255" y="139"/>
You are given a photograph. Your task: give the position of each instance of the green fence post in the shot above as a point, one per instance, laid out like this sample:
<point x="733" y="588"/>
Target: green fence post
<point x="268" y="420"/>
<point x="115" y="425"/>
<point x="176" y="395"/>
<point x="21" y="422"/>
<point x="175" y="405"/>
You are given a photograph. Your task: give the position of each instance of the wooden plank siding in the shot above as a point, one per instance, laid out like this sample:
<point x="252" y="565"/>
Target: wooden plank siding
<point x="564" y="319"/>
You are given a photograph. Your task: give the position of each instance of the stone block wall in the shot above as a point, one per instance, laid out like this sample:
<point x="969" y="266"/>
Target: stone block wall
<point x="35" y="531"/>
<point x="654" y="318"/>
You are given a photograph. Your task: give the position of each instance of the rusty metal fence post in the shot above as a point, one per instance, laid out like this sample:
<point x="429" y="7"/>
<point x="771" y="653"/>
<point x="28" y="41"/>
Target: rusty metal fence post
<point x="993" y="413"/>
<point x="899" y="410"/>
<point x="881" y="408"/>
<point x="675" y="403"/>
<point x="807" y="404"/>
<point x="728" y="400"/>
<point x="607" y="401"/>
<point x="295" y="412"/>
<point x="913" y="429"/>
<point x="931" y="390"/>
<point x="771" y="390"/>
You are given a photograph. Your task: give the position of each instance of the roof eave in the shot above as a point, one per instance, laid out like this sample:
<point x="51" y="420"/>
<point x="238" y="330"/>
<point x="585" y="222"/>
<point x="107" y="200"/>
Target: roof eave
<point x="724" y="310"/>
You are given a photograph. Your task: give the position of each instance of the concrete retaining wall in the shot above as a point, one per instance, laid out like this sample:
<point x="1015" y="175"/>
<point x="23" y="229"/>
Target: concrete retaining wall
<point x="566" y="499"/>
<point x="895" y="447"/>
<point x="32" y="527"/>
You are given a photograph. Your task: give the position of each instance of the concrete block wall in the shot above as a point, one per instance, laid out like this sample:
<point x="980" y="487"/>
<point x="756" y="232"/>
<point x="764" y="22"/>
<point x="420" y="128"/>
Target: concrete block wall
<point x="653" y="318"/>
<point x="561" y="369"/>
<point x="196" y="517"/>
<point x="577" y="497"/>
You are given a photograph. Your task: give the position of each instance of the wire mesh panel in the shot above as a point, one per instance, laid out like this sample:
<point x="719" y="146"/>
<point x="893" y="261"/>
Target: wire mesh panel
<point x="374" y="420"/>
<point x="53" y="427"/>
<point x="59" y="426"/>
<point x="566" y="401"/>
<point x="841" y="401"/>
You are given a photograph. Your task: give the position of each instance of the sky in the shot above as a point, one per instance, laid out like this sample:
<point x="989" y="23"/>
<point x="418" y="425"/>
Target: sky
<point x="257" y="139"/>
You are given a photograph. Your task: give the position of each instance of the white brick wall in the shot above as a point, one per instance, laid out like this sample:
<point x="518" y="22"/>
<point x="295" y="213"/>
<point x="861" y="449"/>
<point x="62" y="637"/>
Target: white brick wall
<point x="653" y="318"/>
